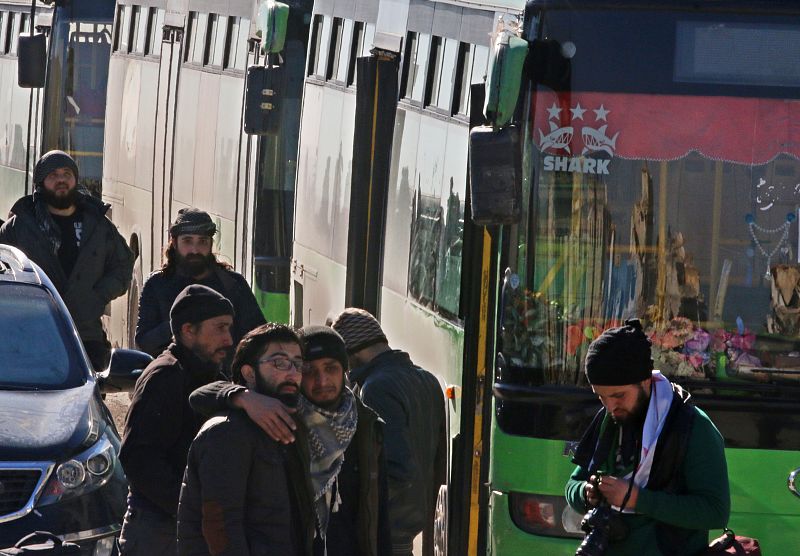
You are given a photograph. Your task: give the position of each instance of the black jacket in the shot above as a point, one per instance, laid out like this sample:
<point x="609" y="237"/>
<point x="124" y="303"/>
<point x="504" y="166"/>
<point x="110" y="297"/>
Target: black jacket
<point x="238" y="498"/>
<point x="160" y="290"/>
<point x="361" y="527"/>
<point x="410" y="401"/>
<point x="160" y="426"/>
<point x="102" y="271"/>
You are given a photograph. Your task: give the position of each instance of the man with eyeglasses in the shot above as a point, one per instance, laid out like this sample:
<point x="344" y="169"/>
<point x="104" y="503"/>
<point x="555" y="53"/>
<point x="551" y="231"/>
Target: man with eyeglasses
<point x="160" y="423"/>
<point x="343" y="439"/>
<point x="244" y="493"/>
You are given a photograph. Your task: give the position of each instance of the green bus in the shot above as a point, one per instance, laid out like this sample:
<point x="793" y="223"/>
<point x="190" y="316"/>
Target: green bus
<point x="660" y="178"/>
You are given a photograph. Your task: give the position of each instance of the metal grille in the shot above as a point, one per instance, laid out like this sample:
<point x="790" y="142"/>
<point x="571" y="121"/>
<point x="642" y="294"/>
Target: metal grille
<point x="16" y="488"/>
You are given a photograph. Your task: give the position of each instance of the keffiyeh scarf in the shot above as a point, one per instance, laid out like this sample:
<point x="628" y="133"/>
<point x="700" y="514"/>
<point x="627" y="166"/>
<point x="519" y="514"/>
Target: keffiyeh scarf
<point x="329" y="434"/>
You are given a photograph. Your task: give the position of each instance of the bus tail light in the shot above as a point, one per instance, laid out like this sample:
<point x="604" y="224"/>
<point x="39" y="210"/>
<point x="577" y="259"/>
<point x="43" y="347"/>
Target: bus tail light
<point x="541" y="514"/>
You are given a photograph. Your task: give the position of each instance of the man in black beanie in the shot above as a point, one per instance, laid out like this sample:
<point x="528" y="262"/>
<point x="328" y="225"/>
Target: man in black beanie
<point x="160" y="423"/>
<point x="343" y="442"/>
<point x="66" y="232"/>
<point x="650" y="455"/>
<point x="189" y="260"/>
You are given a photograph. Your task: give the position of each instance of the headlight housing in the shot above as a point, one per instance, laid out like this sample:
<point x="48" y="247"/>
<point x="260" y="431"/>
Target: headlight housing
<point x="83" y="473"/>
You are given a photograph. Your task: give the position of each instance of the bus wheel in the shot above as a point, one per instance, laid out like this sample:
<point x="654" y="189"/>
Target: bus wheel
<point x="440" y="523"/>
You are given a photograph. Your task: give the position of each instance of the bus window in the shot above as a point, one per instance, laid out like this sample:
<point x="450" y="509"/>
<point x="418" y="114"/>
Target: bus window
<point x="4" y="17"/>
<point x="334" y="49"/>
<point x="231" y="41"/>
<point x="241" y="45"/>
<point x="13" y="34"/>
<point x="155" y="24"/>
<point x="216" y="40"/>
<point x="355" y="51"/>
<point x="420" y="67"/>
<point x="314" y="44"/>
<point x="138" y="29"/>
<point x="444" y="98"/>
<point x="118" y="27"/>
<point x="343" y="64"/>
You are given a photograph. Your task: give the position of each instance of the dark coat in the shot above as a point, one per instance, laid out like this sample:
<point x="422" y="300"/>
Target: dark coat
<point x="238" y="497"/>
<point x="160" y="290"/>
<point x="160" y="426"/>
<point x="102" y="271"/>
<point x="410" y="401"/>
<point x="362" y="527"/>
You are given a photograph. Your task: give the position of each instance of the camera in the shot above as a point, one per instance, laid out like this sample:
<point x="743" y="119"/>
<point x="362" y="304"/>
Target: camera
<point x="601" y="525"/>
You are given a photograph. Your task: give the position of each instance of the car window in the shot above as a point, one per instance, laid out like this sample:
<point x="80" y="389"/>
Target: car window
<point x="38" y="349"/>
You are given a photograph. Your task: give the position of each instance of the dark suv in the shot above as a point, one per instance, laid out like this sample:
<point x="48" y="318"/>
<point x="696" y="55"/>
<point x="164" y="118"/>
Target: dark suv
<point x="58" y="444"/>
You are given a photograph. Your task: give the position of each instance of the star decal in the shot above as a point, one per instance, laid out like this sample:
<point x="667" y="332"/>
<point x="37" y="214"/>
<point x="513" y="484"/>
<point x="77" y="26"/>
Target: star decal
<point x="601" y="113"/>
<point x="577" y="112"/>
<point x="554" y="111"/>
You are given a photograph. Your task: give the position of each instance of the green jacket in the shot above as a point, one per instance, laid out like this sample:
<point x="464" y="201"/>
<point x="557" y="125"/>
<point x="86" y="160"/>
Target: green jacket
<point x="102" y="271"/>
<point x="701" y="500"/>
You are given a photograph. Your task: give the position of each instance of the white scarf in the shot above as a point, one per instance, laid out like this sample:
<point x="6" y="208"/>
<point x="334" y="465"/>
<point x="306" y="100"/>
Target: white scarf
<point x="661" y="395"/>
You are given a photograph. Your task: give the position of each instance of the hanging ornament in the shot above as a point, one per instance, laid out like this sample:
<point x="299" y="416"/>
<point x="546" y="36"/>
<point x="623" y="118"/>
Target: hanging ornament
<point x="780" y="245"/>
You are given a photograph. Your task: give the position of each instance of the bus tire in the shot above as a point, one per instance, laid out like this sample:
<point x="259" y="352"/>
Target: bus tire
<point x="440" y="523"/>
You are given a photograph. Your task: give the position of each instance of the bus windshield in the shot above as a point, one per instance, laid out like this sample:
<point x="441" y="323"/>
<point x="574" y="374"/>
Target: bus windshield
<point x="661" y="181"/>
<point x="75" y="99"/>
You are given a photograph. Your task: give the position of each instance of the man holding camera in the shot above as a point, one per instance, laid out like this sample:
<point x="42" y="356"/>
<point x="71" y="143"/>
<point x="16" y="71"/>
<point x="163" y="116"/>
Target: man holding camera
<point x="651" y="466"/>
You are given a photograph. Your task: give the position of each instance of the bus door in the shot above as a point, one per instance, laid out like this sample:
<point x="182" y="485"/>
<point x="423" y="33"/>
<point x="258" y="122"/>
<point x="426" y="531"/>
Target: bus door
<point x="376" y="105"/>
<point x="163" y="167"/>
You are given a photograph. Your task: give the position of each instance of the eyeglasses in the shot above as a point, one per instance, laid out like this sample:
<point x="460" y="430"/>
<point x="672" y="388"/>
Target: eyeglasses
<point x="284" y="363"/>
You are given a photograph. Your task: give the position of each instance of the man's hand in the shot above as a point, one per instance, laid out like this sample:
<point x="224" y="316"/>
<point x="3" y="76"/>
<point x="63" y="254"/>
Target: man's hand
<point x="591" y="492"/>
<point x="615" y="489"/>
<point x="268" y="413"/>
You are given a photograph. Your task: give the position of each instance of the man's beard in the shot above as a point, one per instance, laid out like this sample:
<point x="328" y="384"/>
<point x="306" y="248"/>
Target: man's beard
<point x="639" y="412"/>
<point x="60" y="201"/>
<point x="193" y="265"/>
<point x="288" y="399"/>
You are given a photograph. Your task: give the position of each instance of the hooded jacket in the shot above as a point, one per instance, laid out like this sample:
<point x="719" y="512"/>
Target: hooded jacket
<point x="102" y="270"/>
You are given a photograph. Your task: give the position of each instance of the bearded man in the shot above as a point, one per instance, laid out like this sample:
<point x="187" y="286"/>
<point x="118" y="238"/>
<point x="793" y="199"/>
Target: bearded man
<point x="650" y="458"/>
<point x="189" y="260"/>
<point x="66" y="232"/>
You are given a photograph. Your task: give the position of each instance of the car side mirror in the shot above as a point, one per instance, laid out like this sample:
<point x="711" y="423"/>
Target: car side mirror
<point x="32" y="61"/>
<point x="123" y="371"/>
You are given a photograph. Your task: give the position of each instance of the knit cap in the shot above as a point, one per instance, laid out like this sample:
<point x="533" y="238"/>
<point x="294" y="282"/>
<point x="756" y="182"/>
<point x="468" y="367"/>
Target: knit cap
<point x="197" y="303"/>
<point x="50" y="162"/>
<point x="358" y="329"/>
<point x="323" y="341"/>
<point x="193" y="221"/>
<point x="619" y="356"/>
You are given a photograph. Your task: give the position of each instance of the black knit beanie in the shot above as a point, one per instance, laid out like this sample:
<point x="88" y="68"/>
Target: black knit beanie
<point x="50" y="162"/>
<point x="323" y="341"/>
<point x="197" y="303"/>
<point x="620" y="356"/>
<point x="193" y="221"/>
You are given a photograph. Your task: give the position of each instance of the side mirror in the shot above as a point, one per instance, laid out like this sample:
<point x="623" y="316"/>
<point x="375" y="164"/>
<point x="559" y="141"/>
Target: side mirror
<point x="495" y="175"/>
<point x="505" y="77"/>
<point x="262" y="99"/>
<point x="123" y="371"/>
<point x="32" y="61"/>
<point x="272" y="21"/>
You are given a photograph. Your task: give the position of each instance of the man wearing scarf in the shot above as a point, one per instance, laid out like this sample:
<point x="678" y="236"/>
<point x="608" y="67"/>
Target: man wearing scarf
<point x="343" y="440"/>
<point x="654" y="457"/>
<point x="66" y="232"/>
<point x="160" y="424"/>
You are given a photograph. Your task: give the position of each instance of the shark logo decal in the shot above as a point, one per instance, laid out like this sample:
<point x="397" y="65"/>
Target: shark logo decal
<point x="558" y="138"/>
<point x="595" y="140"/>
